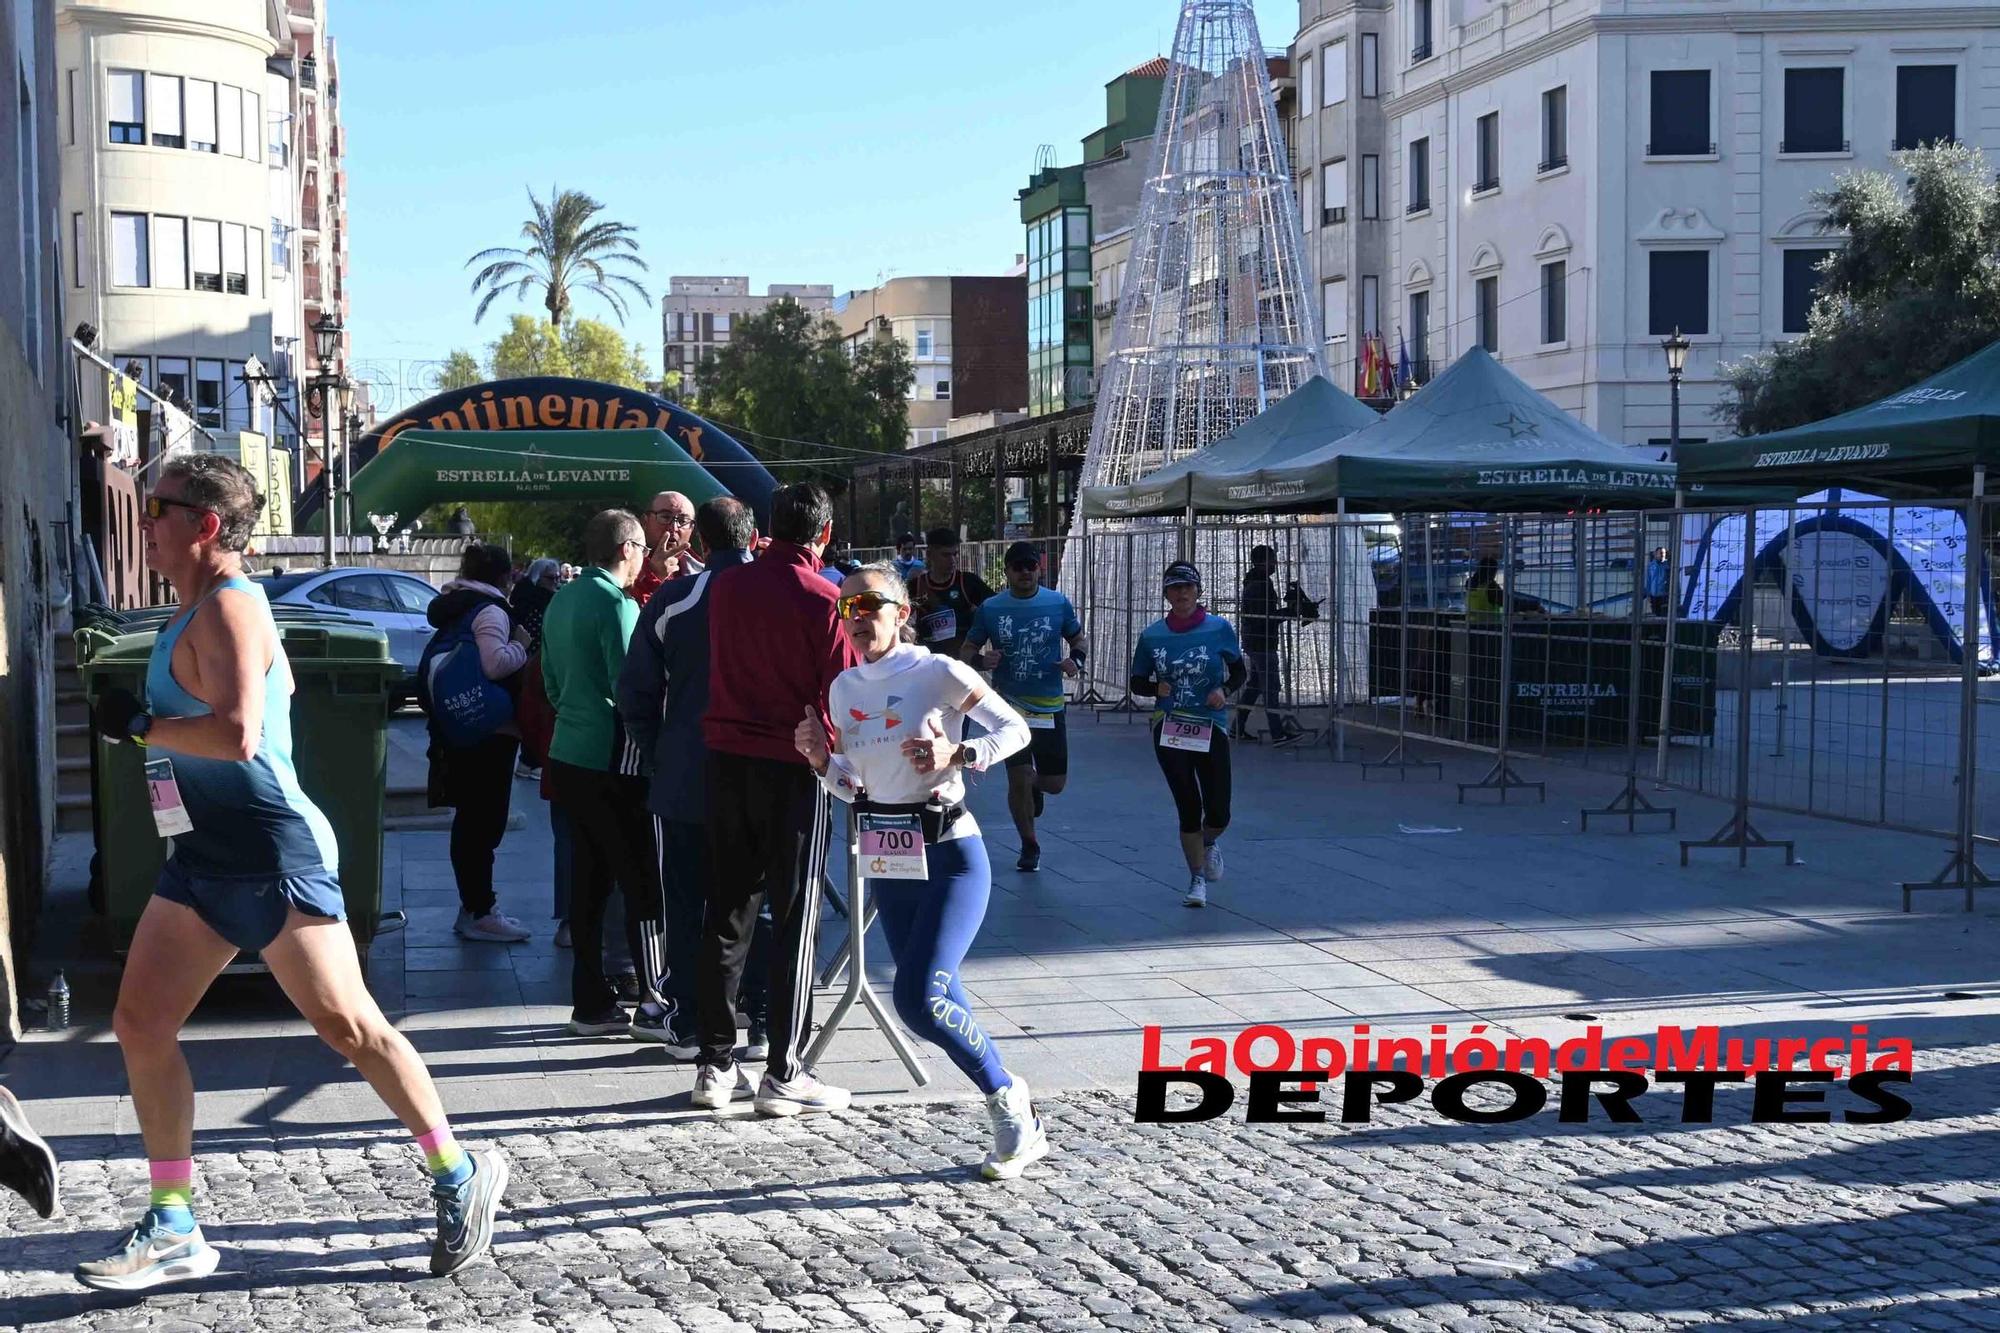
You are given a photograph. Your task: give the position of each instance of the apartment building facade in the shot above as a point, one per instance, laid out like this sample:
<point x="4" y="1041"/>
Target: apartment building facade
<point x="698" y="317"/>
<point x="1568" y="181"/>
<point x="966" y="338"/>
<point x="204" y="196"/>
<point x="38" y="471"/>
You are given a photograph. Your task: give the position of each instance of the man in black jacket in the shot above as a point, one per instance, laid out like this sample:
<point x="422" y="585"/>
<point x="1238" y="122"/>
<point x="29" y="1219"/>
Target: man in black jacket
<point x="1258" y="615"/>
<point x="662" y="694"/>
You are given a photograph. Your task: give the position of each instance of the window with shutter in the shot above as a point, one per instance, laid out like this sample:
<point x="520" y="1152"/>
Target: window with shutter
<point x="1926" y="105"/>
<point x="1680" y="114"/>
<point x="201" y="116"/>
<point x="1801" y="283"/>
<point x="130" y="266"/>
<point x="164" y="92"/>
<point x="170" y="256"/>
<point x="125" y="105"/>
<point x="1815" y="119"/>
<point x="1678" y="291"/>
<point x="205" y="254"/>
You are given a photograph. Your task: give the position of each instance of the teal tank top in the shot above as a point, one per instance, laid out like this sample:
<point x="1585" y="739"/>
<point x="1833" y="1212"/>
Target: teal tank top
<point x="250" y="816"/>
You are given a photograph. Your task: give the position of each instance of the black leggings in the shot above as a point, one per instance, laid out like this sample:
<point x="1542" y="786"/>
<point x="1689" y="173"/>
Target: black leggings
<point x="1199" y="782"/>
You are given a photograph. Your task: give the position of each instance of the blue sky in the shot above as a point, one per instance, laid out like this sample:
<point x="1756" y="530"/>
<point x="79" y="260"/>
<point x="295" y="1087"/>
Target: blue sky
<point x="789" y="140"/>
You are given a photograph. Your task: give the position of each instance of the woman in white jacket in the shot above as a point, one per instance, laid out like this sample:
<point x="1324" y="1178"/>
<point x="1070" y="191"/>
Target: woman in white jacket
<point x="898" y="756"/>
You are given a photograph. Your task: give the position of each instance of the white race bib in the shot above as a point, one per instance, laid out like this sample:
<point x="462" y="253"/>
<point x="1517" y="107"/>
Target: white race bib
<point x="170" y="816"/>
<point x="892" y="847"/>
<point x="1039" y="721"/>
<point x="1186" y="733"/>
<point x="940" y="626"/>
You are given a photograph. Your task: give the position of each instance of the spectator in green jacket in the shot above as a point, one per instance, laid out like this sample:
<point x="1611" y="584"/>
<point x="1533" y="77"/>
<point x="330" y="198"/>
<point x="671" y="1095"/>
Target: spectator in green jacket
<point x="595" y="773"/>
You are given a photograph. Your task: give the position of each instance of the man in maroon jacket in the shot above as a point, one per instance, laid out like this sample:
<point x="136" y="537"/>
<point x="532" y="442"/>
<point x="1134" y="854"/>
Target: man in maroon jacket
<point x="774" y="647"/>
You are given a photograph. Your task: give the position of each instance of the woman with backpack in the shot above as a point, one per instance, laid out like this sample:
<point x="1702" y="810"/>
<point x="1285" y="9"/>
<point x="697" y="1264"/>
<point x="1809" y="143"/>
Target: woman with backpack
<point x="474" y="737"/>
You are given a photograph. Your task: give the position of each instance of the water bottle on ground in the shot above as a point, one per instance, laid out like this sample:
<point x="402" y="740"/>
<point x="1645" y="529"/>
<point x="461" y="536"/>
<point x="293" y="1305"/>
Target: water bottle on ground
<point x="58" y="1004"/>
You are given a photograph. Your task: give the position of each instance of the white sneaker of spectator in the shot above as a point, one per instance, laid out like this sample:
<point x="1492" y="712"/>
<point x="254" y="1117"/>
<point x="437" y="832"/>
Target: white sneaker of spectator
<point x="493" y="928"/>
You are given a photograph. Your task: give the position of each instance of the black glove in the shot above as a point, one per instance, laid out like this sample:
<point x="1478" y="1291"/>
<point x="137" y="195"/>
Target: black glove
<point x="114" y="713"/>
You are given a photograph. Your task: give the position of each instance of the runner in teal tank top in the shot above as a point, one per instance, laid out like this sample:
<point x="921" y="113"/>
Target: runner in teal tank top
<point x="253" y="866"/>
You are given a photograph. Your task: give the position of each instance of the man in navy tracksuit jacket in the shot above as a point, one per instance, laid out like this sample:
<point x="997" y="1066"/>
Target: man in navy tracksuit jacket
<point x="662" y="694"/>
<point x="775" y="647"/>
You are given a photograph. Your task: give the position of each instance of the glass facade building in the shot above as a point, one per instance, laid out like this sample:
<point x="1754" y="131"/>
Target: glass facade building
<point x="1059" y="318"/>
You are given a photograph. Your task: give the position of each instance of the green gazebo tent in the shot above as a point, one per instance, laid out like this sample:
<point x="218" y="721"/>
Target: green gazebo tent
<point x="1475" y="438"/>
<point x="1310" y="416"/>
<point x="1922" y="442"/>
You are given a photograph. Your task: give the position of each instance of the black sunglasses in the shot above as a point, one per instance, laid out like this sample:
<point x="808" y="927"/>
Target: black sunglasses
<point x="158" y="505"/>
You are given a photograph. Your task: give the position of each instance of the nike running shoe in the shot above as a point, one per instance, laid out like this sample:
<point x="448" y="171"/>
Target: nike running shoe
<point x="1197" y="892"/>
<point x="1031" y="857"/>
<point x="27" y="1164"/>
<point x="1018" y="1138"/>
<point x="466" y="1212"/>
<point x="151" y="1257"/>
<point x="1211" y="866"/>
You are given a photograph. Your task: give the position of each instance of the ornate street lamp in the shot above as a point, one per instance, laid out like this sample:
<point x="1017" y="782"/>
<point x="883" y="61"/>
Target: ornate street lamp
<point x="1676" y="348"/>
<point x="326" y="393"/>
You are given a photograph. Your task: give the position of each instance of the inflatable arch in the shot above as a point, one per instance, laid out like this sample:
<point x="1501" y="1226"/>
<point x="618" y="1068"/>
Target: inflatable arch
<point x="517" y="411"/>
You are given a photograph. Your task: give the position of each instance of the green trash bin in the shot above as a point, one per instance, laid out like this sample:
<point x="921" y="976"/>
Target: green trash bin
<point x="344" y="680"/>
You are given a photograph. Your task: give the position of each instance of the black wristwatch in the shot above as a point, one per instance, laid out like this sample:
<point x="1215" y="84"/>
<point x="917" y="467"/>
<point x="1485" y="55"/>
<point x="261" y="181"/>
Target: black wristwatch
<point x="140" y="724"/>
<point x="963" y="755"/>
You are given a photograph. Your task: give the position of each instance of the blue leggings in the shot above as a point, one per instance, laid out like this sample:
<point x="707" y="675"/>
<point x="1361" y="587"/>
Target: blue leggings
<point x="930" y="926"/>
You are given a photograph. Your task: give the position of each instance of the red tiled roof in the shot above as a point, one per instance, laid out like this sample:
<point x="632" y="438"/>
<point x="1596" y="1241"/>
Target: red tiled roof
<point x="1156" y="68"/>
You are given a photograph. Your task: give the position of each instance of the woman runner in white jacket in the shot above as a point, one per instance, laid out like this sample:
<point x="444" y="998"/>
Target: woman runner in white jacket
<point x="898" y="757"/>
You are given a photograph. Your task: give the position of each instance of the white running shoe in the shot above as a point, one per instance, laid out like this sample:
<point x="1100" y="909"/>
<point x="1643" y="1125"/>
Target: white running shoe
<point x="152" y="1257"/>
<point x="1018" y="1138"/>
<point x="27" y="1163"/>
<point x="800" y="1096"/>
<point x="716" y="1087"/>
<point x="493" y="928"/>
<point x="1197" y="892"/>
<point x="1211" y="866"/>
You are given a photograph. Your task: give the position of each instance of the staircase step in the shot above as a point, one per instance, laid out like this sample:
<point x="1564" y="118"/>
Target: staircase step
<point x="73" y="813"/>
<point x="406" y="802"/>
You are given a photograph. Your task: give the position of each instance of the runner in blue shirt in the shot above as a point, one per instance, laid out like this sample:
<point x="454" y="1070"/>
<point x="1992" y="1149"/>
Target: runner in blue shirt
<point x="1029" y="637"/>
<point x="1189" y="662"/>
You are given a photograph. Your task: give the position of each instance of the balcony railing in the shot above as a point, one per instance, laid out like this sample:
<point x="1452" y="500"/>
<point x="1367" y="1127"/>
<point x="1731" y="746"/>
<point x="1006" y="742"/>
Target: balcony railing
<point x="313" y="289"/>
<point x="1679" y="150"/>
<point x="1485" y="183"/>
<point x="1330" y="217"/>
<point x="303" y="8"/>
<point x="1813" y="146"/>
<point x="1421" y="51"/>
<point x="309" y="72"/>
<point x="1417" y="206"/>
<point x="1552" y="163"/>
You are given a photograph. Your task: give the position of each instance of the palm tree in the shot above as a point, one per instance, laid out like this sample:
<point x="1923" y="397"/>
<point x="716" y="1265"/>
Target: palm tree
<point x="564" y="250"/>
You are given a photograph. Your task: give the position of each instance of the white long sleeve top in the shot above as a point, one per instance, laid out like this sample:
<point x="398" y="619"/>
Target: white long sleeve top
<point x="878" y="705"/>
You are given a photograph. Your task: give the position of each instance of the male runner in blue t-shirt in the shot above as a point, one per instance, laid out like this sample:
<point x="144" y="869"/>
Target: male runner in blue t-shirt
<point x="1020" y="635"/>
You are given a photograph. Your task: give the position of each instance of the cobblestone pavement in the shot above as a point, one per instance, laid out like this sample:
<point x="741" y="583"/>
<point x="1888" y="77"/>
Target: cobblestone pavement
<point x="873" y="1220"/>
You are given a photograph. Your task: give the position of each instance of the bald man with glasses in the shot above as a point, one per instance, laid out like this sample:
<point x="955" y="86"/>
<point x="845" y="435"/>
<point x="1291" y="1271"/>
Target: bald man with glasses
<point x="669" y="525"/>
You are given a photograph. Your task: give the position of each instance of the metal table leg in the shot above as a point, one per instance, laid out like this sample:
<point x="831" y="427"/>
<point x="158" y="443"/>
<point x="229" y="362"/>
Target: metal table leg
<point x="858" y="986"/>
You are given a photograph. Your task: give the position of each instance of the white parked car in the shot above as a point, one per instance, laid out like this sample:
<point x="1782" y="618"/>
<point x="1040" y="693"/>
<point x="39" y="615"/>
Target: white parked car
<point x="388" y="599"/>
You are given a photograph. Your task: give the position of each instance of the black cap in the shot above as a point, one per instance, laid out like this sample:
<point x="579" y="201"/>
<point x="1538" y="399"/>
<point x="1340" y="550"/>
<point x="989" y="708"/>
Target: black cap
<point x="1180" y="572"/>
<point x="1023" y="553"/>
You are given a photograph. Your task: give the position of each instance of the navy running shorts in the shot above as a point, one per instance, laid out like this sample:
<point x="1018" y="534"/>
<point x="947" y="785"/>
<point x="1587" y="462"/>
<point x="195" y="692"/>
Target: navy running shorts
<point x="250" y="910"/>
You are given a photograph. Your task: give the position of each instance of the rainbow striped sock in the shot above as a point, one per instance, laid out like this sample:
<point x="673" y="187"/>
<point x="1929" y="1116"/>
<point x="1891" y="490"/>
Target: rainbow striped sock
<point x="446" y="1160"/>
<point x="173" y="1194"/>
